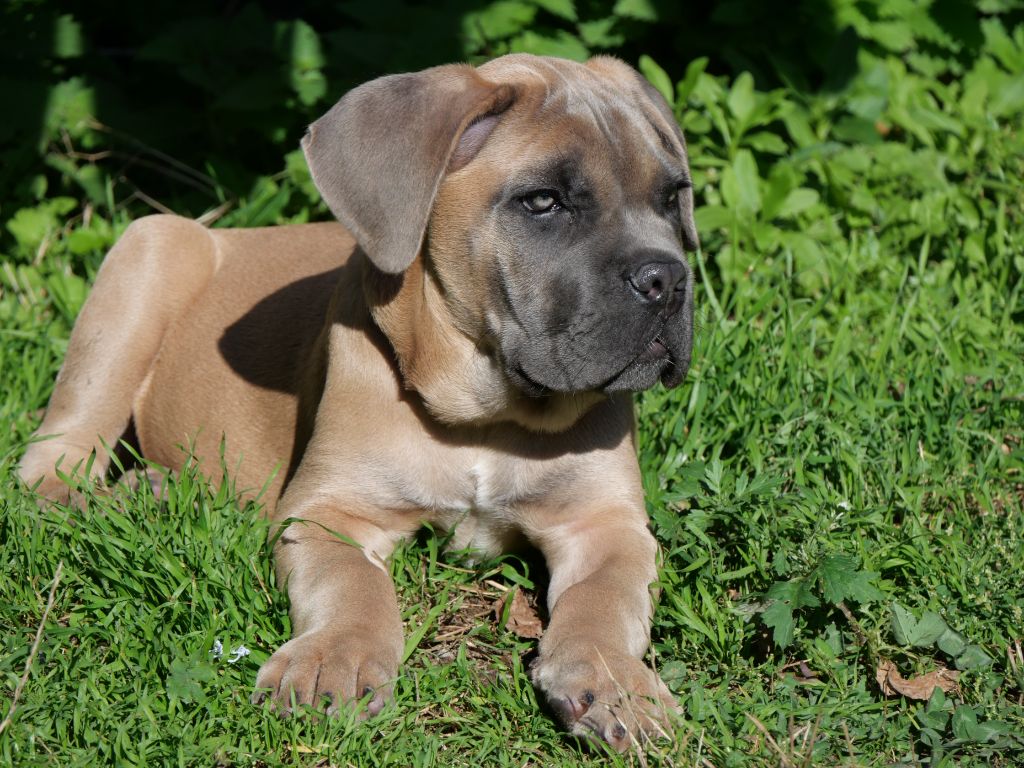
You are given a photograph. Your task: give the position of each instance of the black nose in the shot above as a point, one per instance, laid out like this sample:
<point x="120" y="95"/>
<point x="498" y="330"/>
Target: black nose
<point x="656" y="283"/>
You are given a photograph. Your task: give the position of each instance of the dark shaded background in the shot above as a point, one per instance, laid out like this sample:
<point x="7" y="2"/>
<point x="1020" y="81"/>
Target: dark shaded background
<point x="185" y="103"/>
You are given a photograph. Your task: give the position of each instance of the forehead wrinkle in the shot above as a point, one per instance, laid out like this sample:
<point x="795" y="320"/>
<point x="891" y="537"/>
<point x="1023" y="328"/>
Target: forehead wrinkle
<point x="573" y="89"/>
<point x="570" y="88"/>
<point x="673" y="165"/>
<point x="576" y="97"/>
<point x="634" y="166"/>
<point x="608" y="113"/>
<point x="663" y="137"/>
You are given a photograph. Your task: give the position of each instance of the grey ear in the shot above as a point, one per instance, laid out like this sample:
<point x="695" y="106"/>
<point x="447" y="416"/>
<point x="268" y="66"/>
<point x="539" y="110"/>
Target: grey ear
<point x="378" y="156"/>
<point x="691" y="241"/>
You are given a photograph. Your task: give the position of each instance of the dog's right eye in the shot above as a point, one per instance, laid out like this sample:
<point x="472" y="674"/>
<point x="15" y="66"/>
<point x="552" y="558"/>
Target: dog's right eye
<point x="543" y="201"/>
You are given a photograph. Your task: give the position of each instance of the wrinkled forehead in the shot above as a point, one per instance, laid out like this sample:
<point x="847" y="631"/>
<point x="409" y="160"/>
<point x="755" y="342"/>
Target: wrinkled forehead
<point x="598" y="111"/>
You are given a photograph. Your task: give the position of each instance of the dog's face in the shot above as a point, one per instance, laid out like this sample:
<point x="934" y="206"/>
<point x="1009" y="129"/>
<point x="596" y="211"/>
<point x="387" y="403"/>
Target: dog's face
<point x="549" y="204"/>
<point x="578" y="198"/>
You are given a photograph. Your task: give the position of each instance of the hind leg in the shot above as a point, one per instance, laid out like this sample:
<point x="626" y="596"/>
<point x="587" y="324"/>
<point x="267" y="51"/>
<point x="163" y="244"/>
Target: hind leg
<point x="152" y="274"/>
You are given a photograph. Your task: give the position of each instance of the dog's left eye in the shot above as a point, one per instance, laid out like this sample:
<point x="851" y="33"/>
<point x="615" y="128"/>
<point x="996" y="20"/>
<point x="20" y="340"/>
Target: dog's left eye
<point x="544" y="201"/>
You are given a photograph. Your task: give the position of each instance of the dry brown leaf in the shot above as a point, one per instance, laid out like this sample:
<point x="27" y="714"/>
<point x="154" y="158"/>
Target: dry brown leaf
<point x="893" y="683"/>
<point x="522" y="618"/>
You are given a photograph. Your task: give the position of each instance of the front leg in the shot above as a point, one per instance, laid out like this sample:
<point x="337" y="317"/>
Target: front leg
<point x="346" y="627"/>
<point x="590" y="665"/>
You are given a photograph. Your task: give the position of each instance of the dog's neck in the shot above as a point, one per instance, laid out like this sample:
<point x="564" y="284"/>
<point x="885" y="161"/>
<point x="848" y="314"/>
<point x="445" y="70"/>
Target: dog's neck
<point x="460" y="382"/>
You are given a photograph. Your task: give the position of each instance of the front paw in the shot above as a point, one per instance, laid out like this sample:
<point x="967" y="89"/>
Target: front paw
<point x="342" y="667"/>
<point x="605" y="695"/>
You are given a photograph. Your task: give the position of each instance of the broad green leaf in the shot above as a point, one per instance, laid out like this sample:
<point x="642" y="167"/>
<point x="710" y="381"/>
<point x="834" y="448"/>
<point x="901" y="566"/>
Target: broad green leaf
<point x="656" y="76"/>
<point x="499" y="20"/>
<point x="305" y="47"/>
<point x="952" y="642"/>
<point x="928" y="630"/>
<point x="71" y="106"/>
<point x="897" y="36"/>
<point x="184" y="681"/>
<point x="967" y="727"/>
<point x="779" y="618"/>
<point x="740" y="184"/>
<point x="797" y="201"/>
<point x="973" y="657"/>
<point x="930" y="736"/>
<point x="711" y="217"/>
<point x="766" y="142"/>
<point x="83" y="241"/>
<point x="68" y="41"/>
<point x="306" y="60"/>
<point x="741" y="99"/>
<point x="842" y="579"/>
<point x="784" y="598"/>
<point x="965" y="723"/>
<point x="903" y="624"/>
<point x="781" y="181"/>
<point x="600" y="33"/>
<point x="560" y="44"/>
<point x="642" y="10"/>
<point x="696" y="706"/>
<point x="311" y="86"/>
<point x="1009" y="99"/>
<point x="693" y="72"/>
<point x="30" y="226"/>
<point x="564" y="9"/>
<point x="934" y="715"/>
<point x="798" y="126"/>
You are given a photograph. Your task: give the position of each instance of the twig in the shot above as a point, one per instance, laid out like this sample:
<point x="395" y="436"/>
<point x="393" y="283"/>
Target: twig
<point x="858" y="630"/>
<point x="35" y="649"/>
<point x="783" y="758"/>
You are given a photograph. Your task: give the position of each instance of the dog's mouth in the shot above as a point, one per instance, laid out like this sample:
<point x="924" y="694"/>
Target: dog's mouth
<point x="656" y="350"/>
<point x="657" y="361"/>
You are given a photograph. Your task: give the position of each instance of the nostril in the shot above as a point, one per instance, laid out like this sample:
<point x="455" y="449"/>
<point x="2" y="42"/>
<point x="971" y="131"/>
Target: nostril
<point x="653" y="282"/>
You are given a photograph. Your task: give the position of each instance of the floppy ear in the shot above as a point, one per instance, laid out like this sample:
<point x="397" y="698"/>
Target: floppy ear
<point x="378" y="156"/>
<point x="691" y="241"/>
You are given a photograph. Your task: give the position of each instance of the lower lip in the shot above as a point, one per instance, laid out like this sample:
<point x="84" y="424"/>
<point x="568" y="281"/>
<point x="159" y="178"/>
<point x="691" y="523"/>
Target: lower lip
<point x="654" y="351"/>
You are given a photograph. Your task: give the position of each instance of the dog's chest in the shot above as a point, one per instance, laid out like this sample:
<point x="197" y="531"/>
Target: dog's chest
<point x="479" y="496"/>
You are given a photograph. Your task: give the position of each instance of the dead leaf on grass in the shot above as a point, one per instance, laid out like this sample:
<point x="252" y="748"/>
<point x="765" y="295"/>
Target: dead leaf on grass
<point x="522" y="617"/>
<point x="893" y="683"/>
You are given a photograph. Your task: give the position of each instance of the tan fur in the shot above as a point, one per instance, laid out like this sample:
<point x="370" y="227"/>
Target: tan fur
<point x="376" y="400"/>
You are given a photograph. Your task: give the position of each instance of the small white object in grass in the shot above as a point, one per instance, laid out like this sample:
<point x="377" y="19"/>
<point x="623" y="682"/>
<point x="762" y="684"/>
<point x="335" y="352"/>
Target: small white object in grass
<point x="844" y="505"/>
<point x="218" y="649"/>
<point x="237" y="654"/>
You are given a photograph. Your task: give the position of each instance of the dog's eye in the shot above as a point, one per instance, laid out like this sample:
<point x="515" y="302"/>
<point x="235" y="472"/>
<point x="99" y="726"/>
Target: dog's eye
<point x="672" y="198"/>
<point x="672" y="195"/>
<point x="544" y="201"/>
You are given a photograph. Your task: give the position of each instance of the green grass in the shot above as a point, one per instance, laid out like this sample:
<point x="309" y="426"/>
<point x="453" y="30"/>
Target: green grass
<point x="848" y="447"/>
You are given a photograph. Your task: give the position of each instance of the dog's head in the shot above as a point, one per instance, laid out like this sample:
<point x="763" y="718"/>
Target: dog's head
<point x="538" y="211"/>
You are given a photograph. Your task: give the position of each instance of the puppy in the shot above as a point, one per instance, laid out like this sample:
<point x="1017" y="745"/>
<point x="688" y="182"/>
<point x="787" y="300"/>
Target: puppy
<point x="461" y="350"/>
